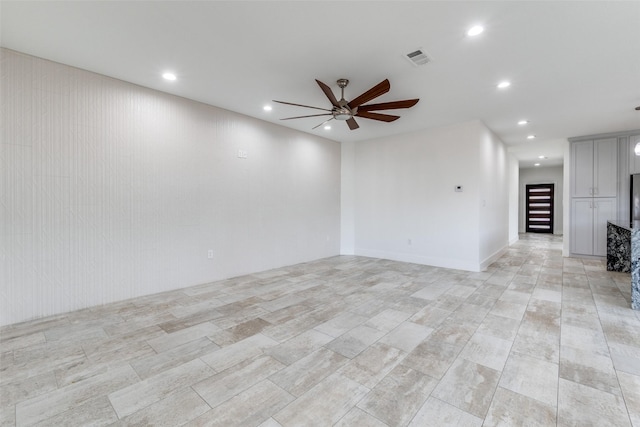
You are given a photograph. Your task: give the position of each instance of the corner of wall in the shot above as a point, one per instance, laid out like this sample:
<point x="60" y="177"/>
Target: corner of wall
<point x="347" y="194"/>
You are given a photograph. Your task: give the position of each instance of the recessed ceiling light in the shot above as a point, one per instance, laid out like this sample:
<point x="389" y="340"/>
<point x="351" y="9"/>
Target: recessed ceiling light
<point x="523" y="122"/>
<point x="169" y="76"/>
<point x="542" y="157"/>
<point x="531" y="136"/>
<point x="327" y="127"/>
<point x="474" y="31"/>
<point x="267" y="108"/>
<point x="503" y="85"/>
<point x="536" y="164"/>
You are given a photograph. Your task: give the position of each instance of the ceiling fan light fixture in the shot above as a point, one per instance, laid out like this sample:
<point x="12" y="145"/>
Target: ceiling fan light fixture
<point x="342" y="114"/>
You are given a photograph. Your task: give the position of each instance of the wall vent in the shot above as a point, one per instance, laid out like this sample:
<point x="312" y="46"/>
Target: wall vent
<point x="418" y="57"/>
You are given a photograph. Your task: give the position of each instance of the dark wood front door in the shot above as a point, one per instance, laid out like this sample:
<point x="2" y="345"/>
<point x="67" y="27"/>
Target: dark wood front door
<point x="539" y="200"/>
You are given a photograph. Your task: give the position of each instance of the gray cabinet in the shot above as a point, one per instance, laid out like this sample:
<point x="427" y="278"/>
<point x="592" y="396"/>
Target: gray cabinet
<point x="594" y="171"/>
<point x="589" y="216"/>
<point x="634" y="161"/>
<point x="594" y="189"/>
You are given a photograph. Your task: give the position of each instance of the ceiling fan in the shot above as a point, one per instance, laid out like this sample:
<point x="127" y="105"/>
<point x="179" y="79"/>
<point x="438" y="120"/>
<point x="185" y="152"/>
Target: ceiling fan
<point x="347" y="110"/>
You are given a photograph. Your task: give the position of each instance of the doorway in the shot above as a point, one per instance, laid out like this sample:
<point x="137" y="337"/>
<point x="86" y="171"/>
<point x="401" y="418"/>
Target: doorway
<point x="539" y="202"/>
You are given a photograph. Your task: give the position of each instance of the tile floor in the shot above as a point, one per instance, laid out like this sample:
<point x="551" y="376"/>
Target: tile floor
<point x="537" y="340"/>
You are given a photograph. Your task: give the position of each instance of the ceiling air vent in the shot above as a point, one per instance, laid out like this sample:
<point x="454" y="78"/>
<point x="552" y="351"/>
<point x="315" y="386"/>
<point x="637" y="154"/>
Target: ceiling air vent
<point x="418" y="57"/>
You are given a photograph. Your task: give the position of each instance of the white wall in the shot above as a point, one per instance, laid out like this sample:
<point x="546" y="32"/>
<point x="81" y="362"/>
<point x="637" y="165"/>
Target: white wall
<point x="543" y="175"/>
<point x="566" y="199"/>
<point x="405" y="207"/>
<point x="494" y="197"/>
<point x="514" y="186"/>
<point x="111" y="191"/>
<point x="347" y="198"/>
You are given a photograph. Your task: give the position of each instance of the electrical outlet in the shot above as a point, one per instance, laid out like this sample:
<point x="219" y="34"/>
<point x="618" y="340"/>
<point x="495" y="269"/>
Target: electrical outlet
<point x="210" y="254"/>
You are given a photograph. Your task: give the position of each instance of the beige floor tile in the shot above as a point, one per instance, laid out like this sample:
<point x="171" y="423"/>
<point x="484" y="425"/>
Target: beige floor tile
<point x="250" y="407"/>
<point x="50" y="404"/>
<point x="373" y="364"/>
<point x="130" y="399"/>
<point x="435" y="412"/>
<point x="468" y="386"/>
<point x="406" y="336"/>
<point x="341" y="324"/>
<point x="432" y="357"/>
<point x="8" y="415"/>
<point x="625" y="358"/>
<point x="587" y="339"/>
<point x="486" y="350"/>
<point x="27" y="388"/>
<point x="590" y="369"/>
<point x="176" y="409"/>
<point x="509" y="309"/>
<point x="358" y="417"/>
<point x="302" y="375"/>
<point x="298" y="347"/>
<point x="223" y="386"/>
<point x="531" y="377"/>
<point x="96" y="411"/>
<point x="388" y="319"/>
<point x="155" y="363"/>
<point x="238" y="332"/>
<point x="183" y="336"/>
<point x="499" y="327"/>
<point x="325" y="404"/>
<point x="399" y="395"/>
<point x="355" y="341"/>
<point x="630" y="385"/>
<point x="540" y="345"/>
<point x="512" y="409"/>
<point x="270" y="423"/>
<point x="238" y="352"/>
<point x="580" y="405"/>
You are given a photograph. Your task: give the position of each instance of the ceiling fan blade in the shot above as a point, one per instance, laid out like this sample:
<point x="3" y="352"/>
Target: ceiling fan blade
<point x="327" y="91"/>
<point x="379" y="89"/>
<point x="302" y="117"/>
<point x="393" y="105"/>
<point x="353" y="125"/>
<point x="377" y="116"/>
<point x="300" y="105"/>
<point x="322" y="123"/>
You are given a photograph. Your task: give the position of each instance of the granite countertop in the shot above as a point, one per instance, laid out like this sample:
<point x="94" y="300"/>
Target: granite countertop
<point x="624" y="223"/>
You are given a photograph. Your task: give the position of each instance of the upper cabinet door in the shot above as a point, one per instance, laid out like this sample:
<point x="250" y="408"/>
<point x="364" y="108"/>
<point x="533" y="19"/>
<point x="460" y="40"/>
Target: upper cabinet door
<point x="582" y="169"/>
<point x="634" y="161"/>
<point x="605" y="170"/>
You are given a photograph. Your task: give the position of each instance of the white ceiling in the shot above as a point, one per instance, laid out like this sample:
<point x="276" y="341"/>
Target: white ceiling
<point x="574" y="66"/>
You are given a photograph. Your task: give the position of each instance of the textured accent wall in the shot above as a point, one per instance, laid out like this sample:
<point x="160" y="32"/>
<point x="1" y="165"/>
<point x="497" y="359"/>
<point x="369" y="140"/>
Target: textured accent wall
<point x="110" y="190"/>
